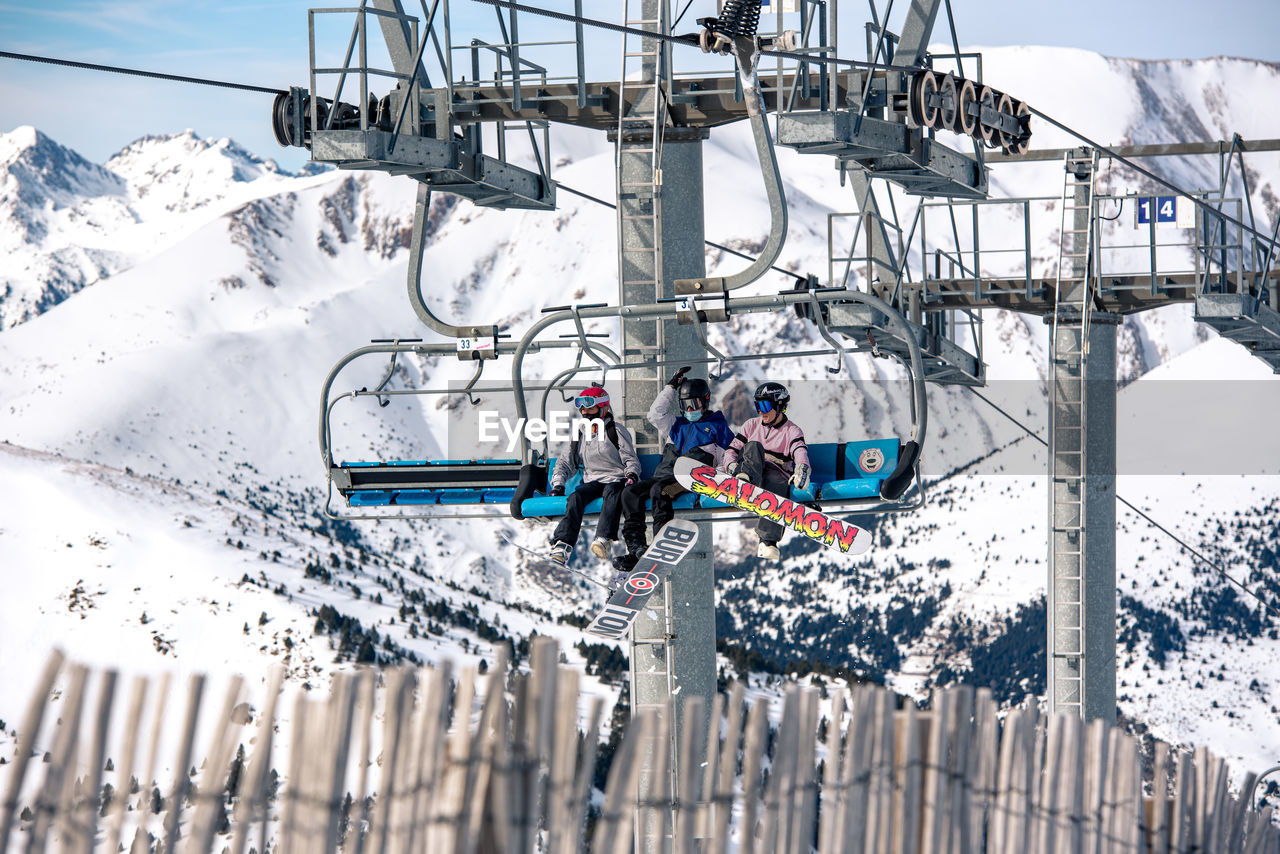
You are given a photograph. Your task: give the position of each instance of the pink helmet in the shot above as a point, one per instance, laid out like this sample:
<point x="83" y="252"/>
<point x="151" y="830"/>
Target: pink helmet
<point x="591" y="396"/>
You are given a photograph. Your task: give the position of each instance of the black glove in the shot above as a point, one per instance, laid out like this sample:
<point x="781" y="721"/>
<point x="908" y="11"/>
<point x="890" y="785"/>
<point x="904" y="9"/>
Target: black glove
<point x="557" y="490"/>
<point x="675" y="381"/>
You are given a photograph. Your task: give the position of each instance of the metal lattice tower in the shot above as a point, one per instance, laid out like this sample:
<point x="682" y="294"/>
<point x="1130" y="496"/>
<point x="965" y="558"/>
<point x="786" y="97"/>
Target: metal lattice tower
<point x="660" y="234"/>
<point x="639" y="192"/>
<point x="1081" y="625"/>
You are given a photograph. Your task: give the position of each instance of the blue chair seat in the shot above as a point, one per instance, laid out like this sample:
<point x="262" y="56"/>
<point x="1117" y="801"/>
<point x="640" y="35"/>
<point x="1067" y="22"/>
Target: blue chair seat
<point x="544" y="505"/>
<point x="844" y="470"/>
<point x="855" y="488"/>
<point x="461" y="496"/>
<point x="809" y="493"/>
<point x="417" y="496"/>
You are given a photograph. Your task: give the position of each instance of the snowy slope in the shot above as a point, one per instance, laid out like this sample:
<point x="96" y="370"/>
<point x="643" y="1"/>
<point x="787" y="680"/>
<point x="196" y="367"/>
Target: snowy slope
<point x="68" y="223"/>
<point x="182" y="387"/>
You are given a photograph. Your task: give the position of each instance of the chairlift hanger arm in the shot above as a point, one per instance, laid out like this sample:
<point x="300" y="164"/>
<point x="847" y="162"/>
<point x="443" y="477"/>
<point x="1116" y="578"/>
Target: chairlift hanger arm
<point x="585" y="345"/>
<point x="421" y="212"/>
<point x="386" y="378"/>
<point x="746" y="53"/>
<point x="471" y="398"/>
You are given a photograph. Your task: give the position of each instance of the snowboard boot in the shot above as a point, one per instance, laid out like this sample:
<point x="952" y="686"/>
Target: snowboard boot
<point x="767" y="550"/>
<point x="635" y="545"/>
<point x="622" y="566"/>
<point x="560" y="552"/>
<point x="601" y="548"/>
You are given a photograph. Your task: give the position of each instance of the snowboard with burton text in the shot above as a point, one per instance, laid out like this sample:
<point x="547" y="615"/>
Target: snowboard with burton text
<point x="671" y="546"/>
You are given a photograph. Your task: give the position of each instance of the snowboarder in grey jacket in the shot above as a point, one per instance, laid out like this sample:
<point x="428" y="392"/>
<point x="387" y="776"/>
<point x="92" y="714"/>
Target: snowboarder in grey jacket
<point x="608" y="459"/>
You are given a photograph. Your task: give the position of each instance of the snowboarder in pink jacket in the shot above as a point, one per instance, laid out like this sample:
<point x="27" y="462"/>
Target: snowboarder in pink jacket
<point x="769" y="451"/>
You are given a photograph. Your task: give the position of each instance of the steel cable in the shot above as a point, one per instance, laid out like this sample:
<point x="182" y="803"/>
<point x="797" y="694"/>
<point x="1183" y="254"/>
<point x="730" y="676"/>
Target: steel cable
<point x="115" y="69"/>
<point x="1194" y="552"/>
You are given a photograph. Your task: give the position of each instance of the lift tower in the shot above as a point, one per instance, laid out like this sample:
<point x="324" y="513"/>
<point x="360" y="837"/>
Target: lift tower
<point x="660" y="240"/>
<point x="1081" y="607"/>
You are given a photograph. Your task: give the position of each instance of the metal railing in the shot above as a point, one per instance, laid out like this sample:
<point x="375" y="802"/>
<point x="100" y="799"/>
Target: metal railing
<point x="958" y="243"/>
<point x="361" y="68"/>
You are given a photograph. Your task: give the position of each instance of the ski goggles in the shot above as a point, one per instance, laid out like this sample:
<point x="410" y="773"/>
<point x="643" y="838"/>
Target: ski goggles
<point x="763" y="406"/>
<point x="586" y="401"/>
<point x="693" y="404"/>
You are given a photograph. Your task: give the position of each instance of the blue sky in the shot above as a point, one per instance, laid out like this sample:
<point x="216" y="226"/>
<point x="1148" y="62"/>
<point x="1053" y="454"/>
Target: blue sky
<point x="265" y="44"/>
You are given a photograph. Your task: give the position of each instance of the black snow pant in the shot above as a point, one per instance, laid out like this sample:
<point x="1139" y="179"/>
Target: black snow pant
<point x="761" y="472"/>
<point x="662" y="491"/>
<point x="571" y="523"/>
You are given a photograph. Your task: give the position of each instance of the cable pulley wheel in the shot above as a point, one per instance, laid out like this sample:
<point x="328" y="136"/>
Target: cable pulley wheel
<point x="949" y="104"/>
<point x="966" y="120"/>
<point x="925" y="110"/>
<point x="987" y="101"/>
<point x="1022" y="142"/>
<point x="1005" y="105"/>
<point x="282" y="120"/>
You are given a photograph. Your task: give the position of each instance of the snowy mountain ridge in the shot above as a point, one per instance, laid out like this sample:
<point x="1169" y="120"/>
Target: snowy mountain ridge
<point x="169" y="318"/>
<point x="66" y="223"/>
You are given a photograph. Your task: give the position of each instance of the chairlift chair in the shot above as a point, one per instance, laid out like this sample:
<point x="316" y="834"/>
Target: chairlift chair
<point x="862" y="476"/>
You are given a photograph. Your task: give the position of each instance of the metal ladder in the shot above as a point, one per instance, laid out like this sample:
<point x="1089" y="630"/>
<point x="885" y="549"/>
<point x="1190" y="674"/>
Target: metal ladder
<point x="639" y="189"/>
<point x="641" y="84"/>
<point x="1069" y="345"/>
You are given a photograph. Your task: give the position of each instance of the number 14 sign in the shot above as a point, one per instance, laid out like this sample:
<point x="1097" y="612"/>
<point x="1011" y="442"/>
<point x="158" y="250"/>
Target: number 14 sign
<point x="1170" y="212"/>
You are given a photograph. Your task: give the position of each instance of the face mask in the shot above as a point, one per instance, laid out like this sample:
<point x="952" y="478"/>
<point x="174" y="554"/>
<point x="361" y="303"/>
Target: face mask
<point x="693" y="416"/>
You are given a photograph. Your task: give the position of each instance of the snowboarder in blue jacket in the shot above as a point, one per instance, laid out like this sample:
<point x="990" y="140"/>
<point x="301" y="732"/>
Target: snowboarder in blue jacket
<point x="683" y="417"/>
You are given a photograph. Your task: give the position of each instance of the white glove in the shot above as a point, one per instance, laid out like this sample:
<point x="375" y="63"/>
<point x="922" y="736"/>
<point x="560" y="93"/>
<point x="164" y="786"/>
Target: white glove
<point x="800" y="477"/>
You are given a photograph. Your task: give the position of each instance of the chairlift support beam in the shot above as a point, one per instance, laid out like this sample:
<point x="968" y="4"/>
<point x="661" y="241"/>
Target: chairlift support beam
<point x="1080" y="608"/>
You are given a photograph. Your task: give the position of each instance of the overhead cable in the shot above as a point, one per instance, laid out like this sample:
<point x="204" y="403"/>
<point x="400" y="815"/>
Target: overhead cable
<point x="799" y="56"/>
<point x="115" y="69"/>
<point x="1110" y="152"/>
<point x="1194" y="552"/>
<point x="710" y="243"/>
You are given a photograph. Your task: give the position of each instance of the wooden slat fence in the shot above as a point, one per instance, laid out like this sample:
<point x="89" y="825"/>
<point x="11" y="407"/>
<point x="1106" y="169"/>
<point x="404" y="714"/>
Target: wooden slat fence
<point x="431" y="761"/>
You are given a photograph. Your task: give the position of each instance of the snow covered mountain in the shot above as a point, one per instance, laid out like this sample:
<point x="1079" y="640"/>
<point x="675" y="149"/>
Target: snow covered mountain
<point x="169" y="317"/>
<point x="66" y="223"/>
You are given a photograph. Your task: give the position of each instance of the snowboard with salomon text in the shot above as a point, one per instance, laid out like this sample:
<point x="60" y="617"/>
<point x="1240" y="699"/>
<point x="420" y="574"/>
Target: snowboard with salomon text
<point x="702" y="479"/>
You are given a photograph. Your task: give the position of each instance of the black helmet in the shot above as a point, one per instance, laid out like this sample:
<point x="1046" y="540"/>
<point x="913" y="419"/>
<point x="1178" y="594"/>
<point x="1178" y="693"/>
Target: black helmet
<point x="774" y="393"/>
<point x="695" y="388"/>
